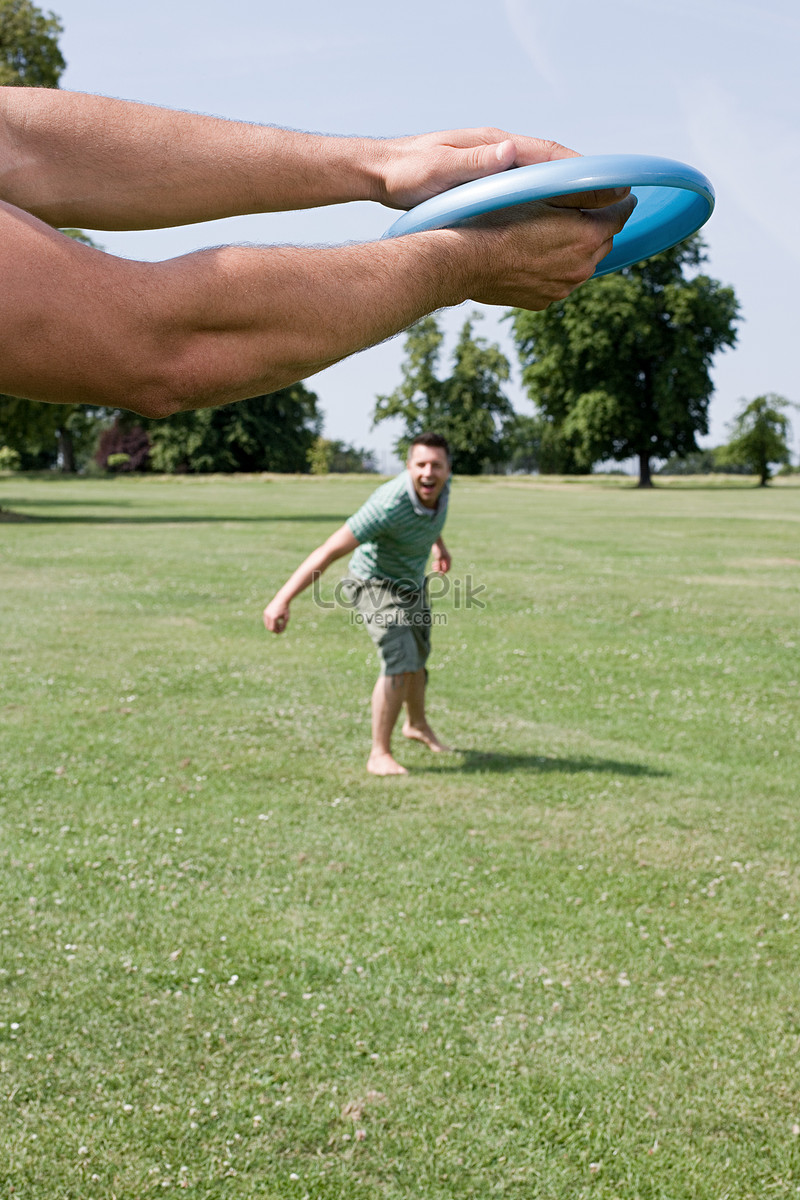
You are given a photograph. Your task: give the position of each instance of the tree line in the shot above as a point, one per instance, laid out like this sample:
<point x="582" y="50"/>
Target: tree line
<point x="618" y="370"/>
<point x="279" y="432"/>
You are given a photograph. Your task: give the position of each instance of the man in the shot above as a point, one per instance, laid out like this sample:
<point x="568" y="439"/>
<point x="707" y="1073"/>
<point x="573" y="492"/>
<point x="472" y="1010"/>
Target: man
<point x="390" y="539"/>
<point x="81" y="326"/>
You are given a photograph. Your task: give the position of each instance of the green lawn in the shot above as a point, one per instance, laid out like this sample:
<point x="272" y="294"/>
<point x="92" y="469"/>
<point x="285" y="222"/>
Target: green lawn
<point x="562" y="962"/>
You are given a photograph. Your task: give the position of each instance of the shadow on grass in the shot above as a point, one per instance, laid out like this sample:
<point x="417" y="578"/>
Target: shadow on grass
<point x="498" y="763"/>
<point x="140" y="518"/>
<point x="59" y="502"/>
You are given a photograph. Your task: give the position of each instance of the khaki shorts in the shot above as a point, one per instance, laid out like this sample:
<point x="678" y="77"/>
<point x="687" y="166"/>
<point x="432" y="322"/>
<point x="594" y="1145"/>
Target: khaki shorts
<point x="398" y="619"/>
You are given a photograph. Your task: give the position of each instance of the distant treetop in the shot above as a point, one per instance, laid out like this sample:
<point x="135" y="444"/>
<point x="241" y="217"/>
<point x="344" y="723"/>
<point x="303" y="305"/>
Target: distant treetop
<point x="29" y="50"/>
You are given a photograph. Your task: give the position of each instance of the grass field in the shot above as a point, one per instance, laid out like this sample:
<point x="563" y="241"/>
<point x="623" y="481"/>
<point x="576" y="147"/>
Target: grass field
<point x="562" y="962"/>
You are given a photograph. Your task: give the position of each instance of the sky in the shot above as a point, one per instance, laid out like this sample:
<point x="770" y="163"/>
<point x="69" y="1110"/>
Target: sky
<point x="713" y="83"/>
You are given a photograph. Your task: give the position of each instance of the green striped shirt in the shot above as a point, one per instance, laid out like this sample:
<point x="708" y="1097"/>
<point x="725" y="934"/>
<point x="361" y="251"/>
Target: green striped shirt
<point x="396" y="532"/>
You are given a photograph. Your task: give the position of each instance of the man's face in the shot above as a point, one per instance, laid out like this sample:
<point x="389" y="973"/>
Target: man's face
<point x="429" y="471"/>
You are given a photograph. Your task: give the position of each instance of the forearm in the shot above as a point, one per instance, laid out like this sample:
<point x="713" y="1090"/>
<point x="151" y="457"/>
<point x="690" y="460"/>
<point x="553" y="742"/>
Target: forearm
<point x="249" y="321"/>
<point x="337" y="546"/>
<point x="79" y="160"/>
<point x="78" y="326"/>
<point x="276" y="614"/>
<point x="303" y="577"/>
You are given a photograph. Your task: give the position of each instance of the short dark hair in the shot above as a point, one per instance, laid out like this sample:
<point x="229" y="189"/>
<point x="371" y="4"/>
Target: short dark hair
<point x="435" y="440"/>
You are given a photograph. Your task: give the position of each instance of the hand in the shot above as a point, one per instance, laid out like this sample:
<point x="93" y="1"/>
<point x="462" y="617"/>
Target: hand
<point x="538" y="253"/>
<point x="416" y="168"/>
<point x="276" y="616"/>
<point x="441" y="561"/>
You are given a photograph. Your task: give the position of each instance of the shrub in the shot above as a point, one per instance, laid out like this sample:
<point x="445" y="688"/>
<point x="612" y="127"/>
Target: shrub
<point x="118" y="462"/>
<point x="123" y="447"/>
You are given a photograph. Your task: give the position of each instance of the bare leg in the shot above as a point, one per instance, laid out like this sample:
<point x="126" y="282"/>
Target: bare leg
<point x="387" y="700"/>
<point x="416" y="726"/>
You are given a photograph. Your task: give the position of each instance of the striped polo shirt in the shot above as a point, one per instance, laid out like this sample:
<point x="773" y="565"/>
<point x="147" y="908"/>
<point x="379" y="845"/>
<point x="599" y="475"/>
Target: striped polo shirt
<point x="396" y="532"/>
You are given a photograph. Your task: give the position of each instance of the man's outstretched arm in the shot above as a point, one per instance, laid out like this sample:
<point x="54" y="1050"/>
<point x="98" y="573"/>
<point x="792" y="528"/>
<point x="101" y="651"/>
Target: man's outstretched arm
<point x="81" y="326"/>
<point x="90" y="161"/>
<point x="276" y="614"/>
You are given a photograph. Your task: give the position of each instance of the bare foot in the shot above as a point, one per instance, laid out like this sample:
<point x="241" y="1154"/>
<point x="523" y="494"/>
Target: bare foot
<point x="384" y="764"/>
<point x="425" y="734"/>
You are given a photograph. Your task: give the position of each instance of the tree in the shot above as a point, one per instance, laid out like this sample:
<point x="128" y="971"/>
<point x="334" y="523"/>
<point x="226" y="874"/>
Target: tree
<point x="43" y="435"/>
<point x="266" y="433"/>
<point x="709" y="461"/>
<point x="29" y="51"/>
<point x="468" y="407"/>
<point x="621" y="368"/>
<point x="327" y="457"/>
<point x="536" y="444"/>
<point x="760" y="436"/>
<point x="30" y="430"/>
<point x="49" y="436"/>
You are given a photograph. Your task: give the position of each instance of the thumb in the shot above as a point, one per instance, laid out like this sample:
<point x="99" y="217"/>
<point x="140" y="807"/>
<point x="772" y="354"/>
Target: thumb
<point x="476" y="162"/>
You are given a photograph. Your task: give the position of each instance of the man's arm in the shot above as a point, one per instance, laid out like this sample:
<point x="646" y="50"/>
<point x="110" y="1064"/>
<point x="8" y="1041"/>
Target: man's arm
<point x="276" y="614"/>
<point x="81" y="326"/>
<point x="79" y="160"/>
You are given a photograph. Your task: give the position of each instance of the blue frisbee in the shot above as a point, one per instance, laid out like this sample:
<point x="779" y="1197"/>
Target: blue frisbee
<point x="673" y="200"/>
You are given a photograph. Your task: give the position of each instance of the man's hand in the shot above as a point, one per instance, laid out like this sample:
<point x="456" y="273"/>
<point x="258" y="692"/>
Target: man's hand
<point x="120" y="333"/>
<point x="441" y="560"/>
<point x="415" y="168"/>
<point x="538" y="253"/>
<point x="276" y="615"/>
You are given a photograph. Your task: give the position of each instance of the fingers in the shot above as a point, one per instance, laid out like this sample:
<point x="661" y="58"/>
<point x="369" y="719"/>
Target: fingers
<point x="461" y="165"/>
<point x="591" y="199"/>
<point x="416" y="168"/>
<point x="541" y="252"/>
<point x="614" y="217"/>
<point x="526" y="150"/>
<point x="487" y="151"/>
<point x="275" y="623"/>
<point x="536" y="150"/>
<point x="478" y="159"/>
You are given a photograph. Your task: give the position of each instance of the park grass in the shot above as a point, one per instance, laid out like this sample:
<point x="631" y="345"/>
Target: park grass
<point x="561" y="962"/>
